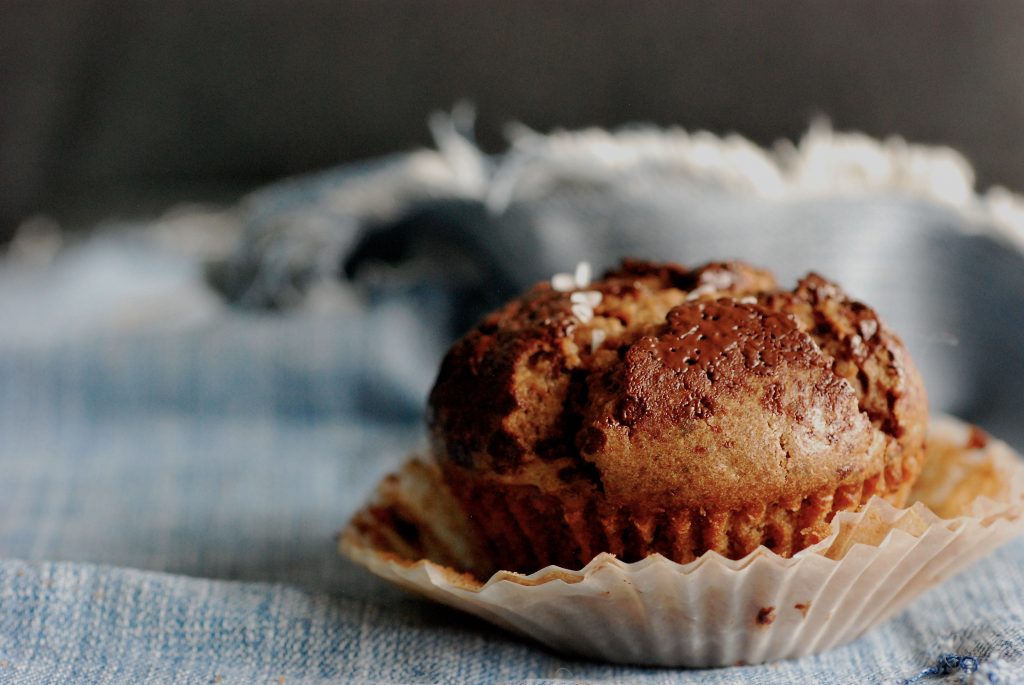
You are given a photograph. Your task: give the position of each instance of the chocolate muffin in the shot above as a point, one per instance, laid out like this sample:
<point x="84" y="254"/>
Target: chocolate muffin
<point x="673" y="410"/>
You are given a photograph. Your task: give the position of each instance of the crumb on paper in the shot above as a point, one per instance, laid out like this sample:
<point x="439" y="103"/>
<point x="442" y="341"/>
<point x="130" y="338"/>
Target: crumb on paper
<point x="977" y="438"/>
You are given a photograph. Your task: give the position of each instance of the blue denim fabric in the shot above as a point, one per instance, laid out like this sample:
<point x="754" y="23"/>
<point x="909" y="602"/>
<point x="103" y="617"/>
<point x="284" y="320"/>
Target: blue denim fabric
<point x="171" y="479"/>
<point x="80" y="623"/>
<point x="221" y="459"/>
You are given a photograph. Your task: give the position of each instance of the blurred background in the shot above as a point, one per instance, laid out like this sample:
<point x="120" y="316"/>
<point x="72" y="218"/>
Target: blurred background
<point x="119" y="108"/>
<point x="232" y="283"/>
<point x="236" y="241"/>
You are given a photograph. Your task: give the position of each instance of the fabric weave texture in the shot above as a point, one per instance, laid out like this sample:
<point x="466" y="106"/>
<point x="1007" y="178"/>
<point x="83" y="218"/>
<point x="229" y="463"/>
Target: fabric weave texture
<point x="173" y="469"/>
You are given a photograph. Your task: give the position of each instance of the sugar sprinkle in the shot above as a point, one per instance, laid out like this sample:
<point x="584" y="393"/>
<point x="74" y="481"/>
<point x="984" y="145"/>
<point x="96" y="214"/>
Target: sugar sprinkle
<point x="590" y="298"/>
<point x="583" y="274"/>
<point x="699" y="292"/>
<point x="563" y="283"/>
<point x="583" y="301"/>
<point x="583" y="313"/>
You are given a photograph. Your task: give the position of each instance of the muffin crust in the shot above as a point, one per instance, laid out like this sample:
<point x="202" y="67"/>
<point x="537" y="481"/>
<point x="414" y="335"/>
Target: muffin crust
<point x="669" y="410"/>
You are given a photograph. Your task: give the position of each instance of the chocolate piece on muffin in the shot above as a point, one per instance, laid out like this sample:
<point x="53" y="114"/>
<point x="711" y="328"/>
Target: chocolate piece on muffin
<point x="673" y="410"/>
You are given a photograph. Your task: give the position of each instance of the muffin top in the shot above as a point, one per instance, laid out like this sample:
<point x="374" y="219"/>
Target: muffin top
<point x="707" y="387"/>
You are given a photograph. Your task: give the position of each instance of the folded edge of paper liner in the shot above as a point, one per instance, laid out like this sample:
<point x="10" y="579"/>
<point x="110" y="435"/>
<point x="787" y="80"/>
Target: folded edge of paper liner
<point x="712" y="611"/>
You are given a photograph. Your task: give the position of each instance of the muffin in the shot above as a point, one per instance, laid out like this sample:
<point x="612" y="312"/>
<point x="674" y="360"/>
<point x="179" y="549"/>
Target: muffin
<point x="674" y="411"/>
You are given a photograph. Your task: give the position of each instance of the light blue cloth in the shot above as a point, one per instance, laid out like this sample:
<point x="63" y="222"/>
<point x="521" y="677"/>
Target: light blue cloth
<point x="234" y="450"/>
<point x="172" y="471"/>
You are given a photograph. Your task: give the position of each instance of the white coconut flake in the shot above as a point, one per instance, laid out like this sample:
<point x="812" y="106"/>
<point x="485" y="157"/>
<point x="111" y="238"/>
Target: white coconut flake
<point x="749" y="299"/>
<point x="583" y="313"/>
<point x="699" y="292"/>
<point x="591" y="298"/>
<point x="597" y="337"/>
<point x="563" y="283"/>
<point x="583" y="274"/>
<point x="583" y="301"/>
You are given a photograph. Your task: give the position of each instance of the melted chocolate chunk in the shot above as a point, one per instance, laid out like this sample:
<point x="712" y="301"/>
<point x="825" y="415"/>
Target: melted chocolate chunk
<point x="706" y="349"/>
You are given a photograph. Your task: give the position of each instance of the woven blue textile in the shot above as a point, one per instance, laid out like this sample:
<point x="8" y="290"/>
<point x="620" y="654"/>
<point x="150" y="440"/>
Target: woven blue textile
<point x="140" y="451"/>
<point x="172" y="473"/>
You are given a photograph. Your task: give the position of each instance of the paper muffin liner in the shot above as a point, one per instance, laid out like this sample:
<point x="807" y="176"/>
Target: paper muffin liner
<point x="712" y="611"/>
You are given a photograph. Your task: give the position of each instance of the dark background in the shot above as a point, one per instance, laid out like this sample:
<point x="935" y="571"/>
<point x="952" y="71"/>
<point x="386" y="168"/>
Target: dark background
<point x="115" y="108"/>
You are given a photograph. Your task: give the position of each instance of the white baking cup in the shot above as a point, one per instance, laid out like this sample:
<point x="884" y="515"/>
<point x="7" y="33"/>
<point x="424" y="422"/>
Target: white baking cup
<point x="713" y="611"/>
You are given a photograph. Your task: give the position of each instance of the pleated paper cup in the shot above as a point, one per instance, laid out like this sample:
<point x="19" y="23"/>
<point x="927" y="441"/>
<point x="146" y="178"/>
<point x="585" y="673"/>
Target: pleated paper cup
<point x="712" y="611"/>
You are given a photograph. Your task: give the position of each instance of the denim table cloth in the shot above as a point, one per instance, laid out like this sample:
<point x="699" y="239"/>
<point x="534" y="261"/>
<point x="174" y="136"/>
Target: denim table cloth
<point x="174" y="460"/>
